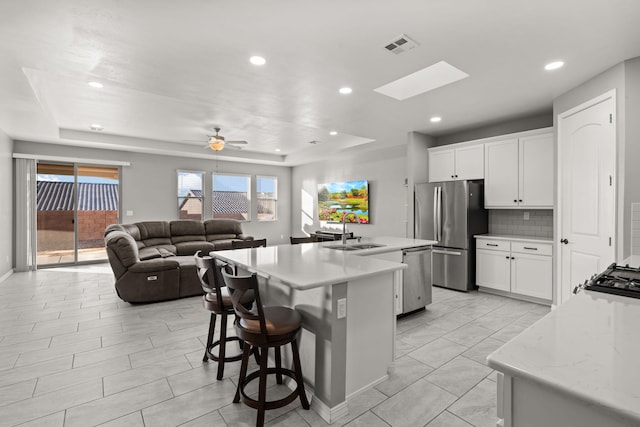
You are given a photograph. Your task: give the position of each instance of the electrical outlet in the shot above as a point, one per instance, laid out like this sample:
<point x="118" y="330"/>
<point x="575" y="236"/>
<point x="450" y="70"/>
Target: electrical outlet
<point x="526" y="216"/>
<point x="342" y="308"/>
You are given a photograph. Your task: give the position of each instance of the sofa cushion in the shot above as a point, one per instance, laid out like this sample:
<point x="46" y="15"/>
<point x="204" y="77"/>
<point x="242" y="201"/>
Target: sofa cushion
<point x="123" y="246"/>
<point x="155" y="233"/>
<point x="190" y="248"/>
<point x="215" y="227"/>
<point x="186" y="231"/>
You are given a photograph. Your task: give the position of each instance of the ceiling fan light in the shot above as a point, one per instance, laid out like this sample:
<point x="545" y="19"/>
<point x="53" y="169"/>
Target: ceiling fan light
<point x="216" y="143"/>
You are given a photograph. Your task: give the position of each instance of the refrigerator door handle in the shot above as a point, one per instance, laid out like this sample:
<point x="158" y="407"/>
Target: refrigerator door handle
<point x="439" y="214"/>
<point x="435" y="251"/>
<point x="435" y="213"/>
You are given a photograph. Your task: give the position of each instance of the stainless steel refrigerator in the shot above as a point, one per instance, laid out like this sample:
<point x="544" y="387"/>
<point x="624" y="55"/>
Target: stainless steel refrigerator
<point x="451" y="213"/>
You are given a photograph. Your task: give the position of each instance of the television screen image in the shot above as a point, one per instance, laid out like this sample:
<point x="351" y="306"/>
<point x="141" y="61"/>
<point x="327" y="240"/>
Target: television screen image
<point x="350" y="198"/>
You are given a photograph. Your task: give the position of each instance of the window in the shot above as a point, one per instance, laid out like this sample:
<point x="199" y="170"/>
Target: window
<point x="232" y="196"/>
<point x="190" y="195"/>
<point x="267" y="194"/>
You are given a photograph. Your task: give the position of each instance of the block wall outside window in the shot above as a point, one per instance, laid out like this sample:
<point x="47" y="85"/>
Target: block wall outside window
<point x="232" y="196"/>
<point x="190" y="195"/>
<point x="267" y="195"/>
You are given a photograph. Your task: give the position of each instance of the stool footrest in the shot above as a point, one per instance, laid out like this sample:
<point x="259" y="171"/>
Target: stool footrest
<point x="210" y="355"/>
<point x="270" y="404"/>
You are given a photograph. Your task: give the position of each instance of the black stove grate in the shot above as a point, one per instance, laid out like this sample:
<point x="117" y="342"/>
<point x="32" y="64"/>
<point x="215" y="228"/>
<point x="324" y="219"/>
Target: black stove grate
<point x="617" y="280"/>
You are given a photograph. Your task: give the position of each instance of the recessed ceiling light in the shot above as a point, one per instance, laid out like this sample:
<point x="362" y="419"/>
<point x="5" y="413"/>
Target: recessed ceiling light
<point x="96" y="127"/>
<point x="257" y="60"/>
<point x="277" y="149"/>
<point x="345" y="90"/>
<point x="97" y="85"/>
<point x="553" y="65"/>
<point x="435" y="119"/>
<point x="333" y="133"/>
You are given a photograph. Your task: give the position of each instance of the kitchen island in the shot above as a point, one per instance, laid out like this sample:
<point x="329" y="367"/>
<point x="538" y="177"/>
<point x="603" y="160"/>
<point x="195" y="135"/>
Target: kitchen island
<point x="574" y="367"/>
<point x="347" y="305"/>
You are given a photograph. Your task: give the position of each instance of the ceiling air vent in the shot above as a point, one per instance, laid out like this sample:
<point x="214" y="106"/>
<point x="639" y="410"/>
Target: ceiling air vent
<point x="400" y="44"/>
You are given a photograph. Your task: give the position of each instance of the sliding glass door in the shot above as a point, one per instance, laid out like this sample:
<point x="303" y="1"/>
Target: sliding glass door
<point x="75" y="203"/>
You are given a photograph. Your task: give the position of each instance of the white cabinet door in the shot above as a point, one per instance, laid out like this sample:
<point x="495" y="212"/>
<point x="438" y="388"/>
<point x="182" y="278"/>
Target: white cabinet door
<point x="493" y="269"/>
<point x="469" y="162"/>
<point x="441" y="165"/>
<point x="531" y="275"/>
<point x="501" y="174"/>
<point x="536" y="171"/>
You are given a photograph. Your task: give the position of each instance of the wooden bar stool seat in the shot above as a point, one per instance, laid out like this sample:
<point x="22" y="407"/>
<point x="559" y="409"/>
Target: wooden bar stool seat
<point x="263" y="328"/>
<point x="218" y="301"/>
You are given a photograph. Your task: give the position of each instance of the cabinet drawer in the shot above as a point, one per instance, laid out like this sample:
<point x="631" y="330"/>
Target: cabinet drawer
<point x="532" y="248"/>
<point x="491" y="244"/>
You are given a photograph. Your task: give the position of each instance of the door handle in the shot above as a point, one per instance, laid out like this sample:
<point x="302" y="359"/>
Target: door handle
<point x="565" y="241"/>
<point x="435" y="251"/>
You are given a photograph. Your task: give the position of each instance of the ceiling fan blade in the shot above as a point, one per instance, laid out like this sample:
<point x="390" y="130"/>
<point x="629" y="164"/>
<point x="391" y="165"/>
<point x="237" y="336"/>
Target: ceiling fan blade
<point x="237" y="142"/>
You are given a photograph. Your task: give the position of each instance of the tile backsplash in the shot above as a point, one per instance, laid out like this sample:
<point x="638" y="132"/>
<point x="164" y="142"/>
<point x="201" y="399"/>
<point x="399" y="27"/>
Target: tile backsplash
<point x="511" y="221"/>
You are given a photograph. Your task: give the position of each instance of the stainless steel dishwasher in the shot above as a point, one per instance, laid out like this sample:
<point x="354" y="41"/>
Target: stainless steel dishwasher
<point x="416" y="284"/>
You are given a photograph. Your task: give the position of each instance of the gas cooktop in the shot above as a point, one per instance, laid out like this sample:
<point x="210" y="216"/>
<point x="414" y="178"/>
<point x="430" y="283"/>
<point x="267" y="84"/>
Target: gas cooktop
<point x="617" y="280"/>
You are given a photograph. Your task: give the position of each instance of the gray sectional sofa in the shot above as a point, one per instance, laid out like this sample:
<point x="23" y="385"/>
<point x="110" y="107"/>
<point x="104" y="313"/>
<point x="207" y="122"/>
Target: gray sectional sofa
<point x="153" y="260"/>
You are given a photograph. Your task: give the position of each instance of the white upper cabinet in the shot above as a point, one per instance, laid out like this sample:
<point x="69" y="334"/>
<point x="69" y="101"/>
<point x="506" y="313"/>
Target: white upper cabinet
<point x="456" y="162"/>
<point x="536" y="170"/>
<point x="501" y="173"/>
<point x="441" y="165"/>
<point x="519" y="172"/>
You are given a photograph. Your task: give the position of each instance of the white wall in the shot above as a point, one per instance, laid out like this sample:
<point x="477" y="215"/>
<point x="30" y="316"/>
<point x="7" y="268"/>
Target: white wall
<point x="6" y="204"/>
<point x="632" y="150"/>
<point x="386" y="171"/>
<point x="149" y="185"/>
<point x="418" y="170"/>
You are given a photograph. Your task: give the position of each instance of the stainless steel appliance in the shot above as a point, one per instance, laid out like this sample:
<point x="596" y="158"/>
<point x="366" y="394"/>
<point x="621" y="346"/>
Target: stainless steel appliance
<point x="616" y="279"/>
<point x="416" y="283"/>
<point x="451" y="213"/>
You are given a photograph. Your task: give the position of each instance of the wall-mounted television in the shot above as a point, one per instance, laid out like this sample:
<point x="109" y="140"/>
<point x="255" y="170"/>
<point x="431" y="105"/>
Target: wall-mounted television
<point x="350" y="198"/>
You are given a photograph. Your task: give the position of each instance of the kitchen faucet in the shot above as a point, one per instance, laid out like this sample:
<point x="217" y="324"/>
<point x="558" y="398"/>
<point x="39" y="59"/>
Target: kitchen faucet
<point x="344" y="226"/>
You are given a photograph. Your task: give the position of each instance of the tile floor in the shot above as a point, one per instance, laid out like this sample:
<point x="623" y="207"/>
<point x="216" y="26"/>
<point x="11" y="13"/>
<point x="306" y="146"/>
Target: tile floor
<point x="73" y="354"/>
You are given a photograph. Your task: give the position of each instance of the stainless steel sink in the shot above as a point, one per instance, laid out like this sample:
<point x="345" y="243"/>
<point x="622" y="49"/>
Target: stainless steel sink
<point x="367" y="245"/>
<point x="342" y="247"/>
<point x="355" y="247"/>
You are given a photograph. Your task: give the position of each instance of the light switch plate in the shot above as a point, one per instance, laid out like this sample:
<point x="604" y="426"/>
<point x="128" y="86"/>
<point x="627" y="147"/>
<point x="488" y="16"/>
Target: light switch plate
<point x="129" y="213"/>
<point x="342" y="308"/>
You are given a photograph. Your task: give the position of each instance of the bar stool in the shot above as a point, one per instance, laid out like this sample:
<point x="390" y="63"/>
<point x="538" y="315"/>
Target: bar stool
<point x="297" y="240"/>
<point x="242" y="244"/>
<point x="217" y="300"/>
<point x="265" y="327"/>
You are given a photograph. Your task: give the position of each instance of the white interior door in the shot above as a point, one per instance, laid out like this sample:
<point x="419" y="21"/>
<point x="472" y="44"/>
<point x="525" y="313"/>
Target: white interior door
<point x="587" y="147"/>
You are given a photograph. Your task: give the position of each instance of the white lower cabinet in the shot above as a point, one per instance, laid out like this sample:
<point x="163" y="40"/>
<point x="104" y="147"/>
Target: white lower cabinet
<point x="518" y="267"/>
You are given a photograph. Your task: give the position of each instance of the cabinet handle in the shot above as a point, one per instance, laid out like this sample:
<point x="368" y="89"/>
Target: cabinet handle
<point x="520" y="200"/>
<point x="507" y="257"/>
<point x="512" y="258"/>
<point x="491" y="244"/>
<point x="531" y="249"/>
<point x="515" y="200"/>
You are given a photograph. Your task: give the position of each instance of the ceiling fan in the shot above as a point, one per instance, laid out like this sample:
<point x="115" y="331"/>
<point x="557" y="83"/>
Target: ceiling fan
<point x="218" y="143"/>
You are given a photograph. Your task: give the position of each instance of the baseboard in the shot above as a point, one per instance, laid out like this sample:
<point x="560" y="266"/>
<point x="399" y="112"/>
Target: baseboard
<point x="328" y="414"/>
<point x="367" y="387"/>
<point x="515" y="296"/>
<point x="6" y="275"/>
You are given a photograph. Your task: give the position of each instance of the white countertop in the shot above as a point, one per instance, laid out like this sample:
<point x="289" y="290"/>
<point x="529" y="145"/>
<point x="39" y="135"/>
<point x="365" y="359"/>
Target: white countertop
<point x="588" y="348"/>
<point x="515" y="237"/>
<point x="311" y="265"/>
